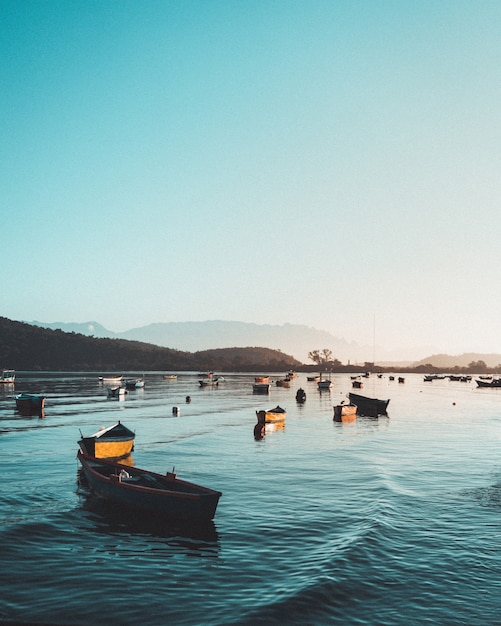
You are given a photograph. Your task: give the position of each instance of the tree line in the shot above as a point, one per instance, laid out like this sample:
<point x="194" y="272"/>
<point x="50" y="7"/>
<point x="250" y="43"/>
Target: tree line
<point x="27" y="347"/>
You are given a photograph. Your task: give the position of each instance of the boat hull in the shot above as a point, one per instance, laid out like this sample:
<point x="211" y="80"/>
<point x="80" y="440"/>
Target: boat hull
<point x="345" y="412"/>
<point x="30" y="403"/>
<point x="167" y="496"/>
<point x="370" y="407"/>
<point x="494" y="383"/>
<point x="261" y="388"/>
<point x="272" y="415"/>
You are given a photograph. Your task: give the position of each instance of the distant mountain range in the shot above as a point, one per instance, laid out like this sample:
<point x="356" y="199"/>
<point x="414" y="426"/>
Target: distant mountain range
<point x="293" y="339"/>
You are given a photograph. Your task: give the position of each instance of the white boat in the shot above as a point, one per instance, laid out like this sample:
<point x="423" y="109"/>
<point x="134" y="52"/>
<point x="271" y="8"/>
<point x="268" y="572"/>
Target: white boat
<point x="111" y="380"/>
<point x="8" y="377"/>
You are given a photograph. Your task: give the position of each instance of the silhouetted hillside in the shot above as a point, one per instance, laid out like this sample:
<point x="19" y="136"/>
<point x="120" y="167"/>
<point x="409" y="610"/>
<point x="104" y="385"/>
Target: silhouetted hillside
<point x="27" y="347"/>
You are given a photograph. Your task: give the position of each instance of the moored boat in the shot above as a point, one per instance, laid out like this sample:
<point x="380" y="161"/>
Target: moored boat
<point x="114" y="442"/>
<point x="300" y="395"/>
<point x="283" y="382"/>
<point x="8" y="377"/>
<point x="30" y="402"/>
<point x="370" y="407"/>
<point x="324" y="384"/>
<point x="277" y="414"/>
<point x="261" y="388"/>
<point x="211" y="380"/>
<point x="495" y="382"/>
<point x="111" y="380"/>
<point x="135" y="383"/>
<point x="345" y="412"/>
<point x="164" y="495"/>
<point x="116" y="392"/>
<point x="261" y="379"/>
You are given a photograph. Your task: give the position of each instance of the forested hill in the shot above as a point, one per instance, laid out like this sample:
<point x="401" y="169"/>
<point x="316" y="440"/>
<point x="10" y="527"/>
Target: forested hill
<point x="27" y="347"/>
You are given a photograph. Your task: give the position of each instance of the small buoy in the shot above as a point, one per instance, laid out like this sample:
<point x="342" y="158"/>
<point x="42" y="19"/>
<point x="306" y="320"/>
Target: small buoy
<point x="175" y="410"/>
<point x="188" y="399"/>
<point x="453" y="404"/>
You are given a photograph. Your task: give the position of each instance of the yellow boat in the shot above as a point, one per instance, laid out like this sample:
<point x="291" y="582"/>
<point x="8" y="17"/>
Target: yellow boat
<point x="272" y="415"/>
<point x="345" y="412"/>
<point x="114" y="442"/>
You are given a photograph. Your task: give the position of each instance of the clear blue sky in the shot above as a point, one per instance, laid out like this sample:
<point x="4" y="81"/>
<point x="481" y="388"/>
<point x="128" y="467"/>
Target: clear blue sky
<point x="325" y="163"/>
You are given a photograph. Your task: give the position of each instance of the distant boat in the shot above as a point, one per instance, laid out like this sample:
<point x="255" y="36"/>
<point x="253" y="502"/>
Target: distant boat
<point x="162" y="495"/>
<point x="137" y="383"/>
<point x="272" y="415"/>
<point x="495" y="382"/>
<point x="300" y="395"/>
<point x="111" y="380"/>
<point x="324" y="383"/>
<point x="261" y="379"/>
<point x="30" y="402"/>
<point x="8" y="377"/>
<point x="210" y="380"/>
<point x="345" y="412"/>
<point x="261" y="388"/>
<point x="114" y="442"/>
<point x="312" y="379"/>
<point x="401" y="379"/>
<point x="283" y="382"/>
<point x="170" y="376"/>
<point x="370" y="407"/>
<point x="356" y="384"/>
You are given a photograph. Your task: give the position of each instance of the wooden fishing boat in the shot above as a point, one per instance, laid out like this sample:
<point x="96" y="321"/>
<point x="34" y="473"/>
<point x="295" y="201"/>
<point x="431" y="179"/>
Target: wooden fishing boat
<point x="356" y="384"/>
<point x="312" y="379"/>
<point x="211" y="380"/>
<point x="495" y="382"/>
<point x="261" y="380"/>
<point x="164" y="495"/>
<point x="114" y="442"/>
<point x="370" y="407"/>
<point x="283" y="382"/>
<point x="324" y="384"/>
<point x="111" y="380"/>
<point x="345" y="412"/>
<point x="261" y="388"/>
<point x="170" y="376"/>
<point x="8" y="377"/>
<point x="30" y="402"/>
<point x="134" y="383"/>
<point x="271" y="415"/>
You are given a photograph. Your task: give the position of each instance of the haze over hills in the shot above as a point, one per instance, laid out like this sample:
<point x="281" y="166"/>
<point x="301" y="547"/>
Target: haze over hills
<point x="296" y="340"/>
<point x="292" y="339"/>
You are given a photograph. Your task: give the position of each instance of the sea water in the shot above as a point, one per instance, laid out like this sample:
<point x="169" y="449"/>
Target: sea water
<point x="387" y="521"/>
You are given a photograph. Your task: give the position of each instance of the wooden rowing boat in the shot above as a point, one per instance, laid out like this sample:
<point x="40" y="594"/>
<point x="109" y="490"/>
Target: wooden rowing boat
<point x="164" y="495"/>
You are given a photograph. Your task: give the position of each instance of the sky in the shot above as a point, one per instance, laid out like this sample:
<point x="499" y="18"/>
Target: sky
<point x="328" y="163"/>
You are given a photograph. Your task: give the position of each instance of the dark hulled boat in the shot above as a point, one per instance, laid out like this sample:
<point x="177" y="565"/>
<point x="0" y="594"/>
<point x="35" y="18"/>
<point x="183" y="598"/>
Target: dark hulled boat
<point x="495" y="382"/>
<point x="30" y="403"/>
<point x="165" y="495"/>
<point x="370" y="407"/>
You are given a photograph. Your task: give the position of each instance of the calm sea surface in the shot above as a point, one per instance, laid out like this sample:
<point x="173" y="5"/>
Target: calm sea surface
<point x="385" y="521"/>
